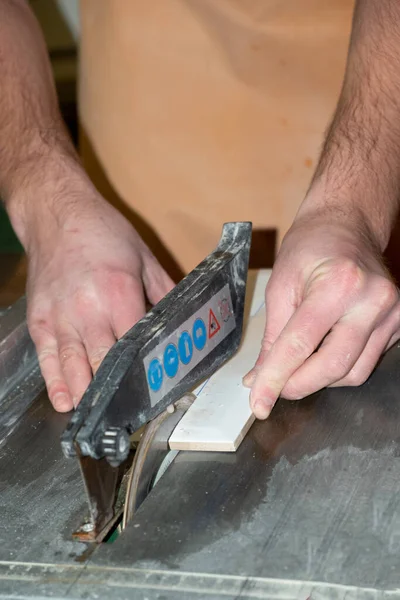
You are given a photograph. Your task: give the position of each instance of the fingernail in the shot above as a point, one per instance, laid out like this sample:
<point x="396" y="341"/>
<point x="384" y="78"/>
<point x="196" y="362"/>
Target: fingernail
<point x="61" y="402"/>
<point x="249" y="378"/>
<point x="261" y="409"/>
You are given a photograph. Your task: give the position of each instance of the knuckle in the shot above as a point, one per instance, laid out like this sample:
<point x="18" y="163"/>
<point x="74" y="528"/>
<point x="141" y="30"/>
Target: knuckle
<point x="396" y="315"/>
<point x="268" y="340"/>
<point x="120" y="283"/>
<point x="299" y="349"/>
<point x="39" y="328"/>
<point x="339" y="366"/>
<point x="292" y="392"/>
<point x="266" y="344"/>
<point x="70" y="353"/>
<point x="96" y="357"/>
<point x="386" y="294"/>
<point x="85" y="299"/>
<point x="348" y="276"/>
<point x="355" y="377"/>
<point x="46" y="356"/>
<point x="46" y="353"/>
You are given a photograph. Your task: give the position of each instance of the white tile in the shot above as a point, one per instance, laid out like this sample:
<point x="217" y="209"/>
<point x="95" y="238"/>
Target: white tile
<point x="220" y="416"/>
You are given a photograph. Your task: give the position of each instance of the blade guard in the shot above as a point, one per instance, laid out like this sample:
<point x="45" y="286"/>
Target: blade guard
<point x="123" y="394"/>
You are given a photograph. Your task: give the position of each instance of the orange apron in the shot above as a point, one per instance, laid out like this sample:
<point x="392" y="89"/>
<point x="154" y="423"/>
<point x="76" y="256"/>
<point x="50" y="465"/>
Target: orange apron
<point x="205" y="111"/>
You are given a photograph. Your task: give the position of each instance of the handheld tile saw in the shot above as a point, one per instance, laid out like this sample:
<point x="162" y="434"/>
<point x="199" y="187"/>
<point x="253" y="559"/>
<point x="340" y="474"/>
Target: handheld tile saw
<point x="146" y="376"/>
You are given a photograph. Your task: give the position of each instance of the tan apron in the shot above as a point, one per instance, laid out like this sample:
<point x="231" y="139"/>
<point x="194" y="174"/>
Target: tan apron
<point x="205" y="111"/>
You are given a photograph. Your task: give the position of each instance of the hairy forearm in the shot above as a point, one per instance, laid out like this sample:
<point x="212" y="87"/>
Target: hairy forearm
<point x="359" y="168"/>
<point x="37" y="159"/>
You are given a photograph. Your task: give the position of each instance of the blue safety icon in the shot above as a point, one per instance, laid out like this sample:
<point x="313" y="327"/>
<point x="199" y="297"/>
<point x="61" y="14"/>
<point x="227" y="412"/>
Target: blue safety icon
<point x="199" y="333"/>
<point x="185" y="347"/>
<point x="171" y="360"/>
<point x="155" y="375"/>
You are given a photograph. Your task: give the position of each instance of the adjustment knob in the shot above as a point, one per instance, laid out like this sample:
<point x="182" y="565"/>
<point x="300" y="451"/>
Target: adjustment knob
<point x="115" y="445"/>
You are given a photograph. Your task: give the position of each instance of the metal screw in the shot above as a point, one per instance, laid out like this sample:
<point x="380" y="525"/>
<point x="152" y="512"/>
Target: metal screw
<point x="87" y="527"/>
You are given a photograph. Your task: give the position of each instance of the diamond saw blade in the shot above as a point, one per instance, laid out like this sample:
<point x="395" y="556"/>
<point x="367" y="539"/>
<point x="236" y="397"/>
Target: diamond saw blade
<point x="153" y="456"/>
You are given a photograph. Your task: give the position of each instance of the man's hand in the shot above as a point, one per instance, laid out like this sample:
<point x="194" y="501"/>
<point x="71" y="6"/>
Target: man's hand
<point x="86" y="282"/>
<point x="332" y="310"/>
<point x="87" y="266"/>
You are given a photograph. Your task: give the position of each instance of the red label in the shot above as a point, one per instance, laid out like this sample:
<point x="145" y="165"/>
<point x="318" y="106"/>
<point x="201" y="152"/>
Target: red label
<point x="213" y="325"/>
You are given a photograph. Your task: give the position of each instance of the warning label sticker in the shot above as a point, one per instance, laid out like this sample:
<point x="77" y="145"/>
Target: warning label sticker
<point x="213" y="325"/>
<point x="185" y="347"/>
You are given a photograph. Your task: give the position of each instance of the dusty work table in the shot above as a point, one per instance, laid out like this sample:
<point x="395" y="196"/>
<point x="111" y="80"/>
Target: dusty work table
<point x="308" y="507"/>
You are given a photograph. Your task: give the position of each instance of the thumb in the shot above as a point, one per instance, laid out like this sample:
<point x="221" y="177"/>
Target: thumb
<point x="156" y="280"/>
<point x="278" y="311"/>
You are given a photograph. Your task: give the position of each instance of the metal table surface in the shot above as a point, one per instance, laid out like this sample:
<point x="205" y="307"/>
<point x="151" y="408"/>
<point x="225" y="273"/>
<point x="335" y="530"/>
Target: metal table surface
<point x="307" y="508"/>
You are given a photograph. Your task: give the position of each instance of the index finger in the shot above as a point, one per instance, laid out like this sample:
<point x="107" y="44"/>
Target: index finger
<point x="298" y="340"/>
